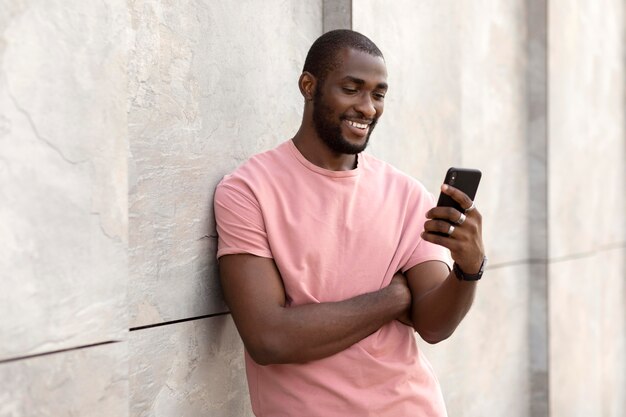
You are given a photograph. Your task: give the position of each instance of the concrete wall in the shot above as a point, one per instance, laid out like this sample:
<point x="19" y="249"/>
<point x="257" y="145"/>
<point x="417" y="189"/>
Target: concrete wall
<point x="117" y="119"/>
<point x="210" y="83"/>
<point x="63" y="205"/>
<point x="587" y="153"/>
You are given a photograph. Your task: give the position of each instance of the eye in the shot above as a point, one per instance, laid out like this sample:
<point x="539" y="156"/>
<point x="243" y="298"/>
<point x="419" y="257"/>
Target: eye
<point x="379" y="96"/>
<point x="349" y="90"/>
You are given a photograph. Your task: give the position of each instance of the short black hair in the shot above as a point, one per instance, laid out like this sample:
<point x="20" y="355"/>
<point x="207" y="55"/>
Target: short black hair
<point x="322" y="57"/>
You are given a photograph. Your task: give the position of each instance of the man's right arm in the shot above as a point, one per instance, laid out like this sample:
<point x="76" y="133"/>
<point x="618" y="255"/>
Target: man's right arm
<point x="274" y="333"/>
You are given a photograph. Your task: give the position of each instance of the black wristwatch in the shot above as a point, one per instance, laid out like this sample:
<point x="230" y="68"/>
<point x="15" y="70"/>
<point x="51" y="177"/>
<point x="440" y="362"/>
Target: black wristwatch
<point x="462" y="276"/>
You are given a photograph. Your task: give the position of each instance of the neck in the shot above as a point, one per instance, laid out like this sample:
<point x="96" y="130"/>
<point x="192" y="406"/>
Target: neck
<point x="313" y="148"/>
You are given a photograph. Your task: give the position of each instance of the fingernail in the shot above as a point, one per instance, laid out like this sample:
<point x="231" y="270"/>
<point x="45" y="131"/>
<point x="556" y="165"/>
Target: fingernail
<point x="444" y="187"/>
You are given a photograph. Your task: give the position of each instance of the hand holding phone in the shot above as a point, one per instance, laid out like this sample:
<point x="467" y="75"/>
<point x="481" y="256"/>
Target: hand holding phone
<point x="466" y="180"/>
<point x="457" y="225"/>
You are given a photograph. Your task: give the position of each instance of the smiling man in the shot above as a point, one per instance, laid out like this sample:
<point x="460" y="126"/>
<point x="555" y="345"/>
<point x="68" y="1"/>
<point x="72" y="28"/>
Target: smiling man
<point x="328" y="257"/>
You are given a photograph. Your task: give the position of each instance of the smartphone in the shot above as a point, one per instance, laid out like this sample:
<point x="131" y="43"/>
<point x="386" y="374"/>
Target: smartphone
<point x="466" y="180"/>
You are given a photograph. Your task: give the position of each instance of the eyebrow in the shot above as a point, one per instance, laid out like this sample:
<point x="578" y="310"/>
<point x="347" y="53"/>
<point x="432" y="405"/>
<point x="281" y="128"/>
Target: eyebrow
<point x="359" y="81"/>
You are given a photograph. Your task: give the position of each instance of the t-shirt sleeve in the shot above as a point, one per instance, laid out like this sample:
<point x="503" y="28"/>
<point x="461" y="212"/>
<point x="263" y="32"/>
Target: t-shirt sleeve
<point x="239" y="222"/>
<point x="425" y="251"/>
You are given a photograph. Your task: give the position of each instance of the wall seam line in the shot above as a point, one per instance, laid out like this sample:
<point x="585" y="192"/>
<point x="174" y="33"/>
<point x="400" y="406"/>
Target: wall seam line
<point x="52" y="352"/>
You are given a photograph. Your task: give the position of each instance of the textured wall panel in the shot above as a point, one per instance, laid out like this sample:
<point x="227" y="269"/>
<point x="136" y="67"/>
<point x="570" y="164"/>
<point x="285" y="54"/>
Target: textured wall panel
<point x="89" y="382"/>
<point x="195" y="368"/>
<point x="63" y="183"/>
<point x="489" y="352"/>
<point x="587" y="156"/>
<point x="587" y="126"/>
<point x="211" y="84"/>
<point x="420" y="131"/>
<point x="494" y="119"/>
<point x="337" y="14"/>
<point x="587" y="336"/>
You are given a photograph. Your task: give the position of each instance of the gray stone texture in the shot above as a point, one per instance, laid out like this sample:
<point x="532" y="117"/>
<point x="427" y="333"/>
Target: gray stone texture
<point x="483" y="366"/>
<point x="194" y="368"/>
<point x="211" y="83"/>
<point x="586" y="206"/>
<point x="117" y="120"/>
<point x="63" y="192"/>
<point x="337" y="14"/>
<point x="537" y="156"/>
<point x="89" y="382"/>
<point x="587" y="336"/>
<point x="587" y="126"/>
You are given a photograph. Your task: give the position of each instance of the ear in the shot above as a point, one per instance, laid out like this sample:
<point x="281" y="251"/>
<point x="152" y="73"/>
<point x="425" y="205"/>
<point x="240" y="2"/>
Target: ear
<point x="307" y="84"/>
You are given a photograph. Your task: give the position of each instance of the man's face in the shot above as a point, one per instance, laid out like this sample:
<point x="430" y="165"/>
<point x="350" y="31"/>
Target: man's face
<point x="348" y="103"/>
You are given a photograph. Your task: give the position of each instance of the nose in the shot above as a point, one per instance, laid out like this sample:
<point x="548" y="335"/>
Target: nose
<point x="365" y="106"/>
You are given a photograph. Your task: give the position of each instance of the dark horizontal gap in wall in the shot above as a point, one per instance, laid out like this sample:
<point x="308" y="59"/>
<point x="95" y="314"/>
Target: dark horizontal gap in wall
<point x="581" y="255"/>
<point x="52" y="352"/>
<point x="517" y="263"/>
<point x="167" y="323"/>
<point x="539" y="261"/>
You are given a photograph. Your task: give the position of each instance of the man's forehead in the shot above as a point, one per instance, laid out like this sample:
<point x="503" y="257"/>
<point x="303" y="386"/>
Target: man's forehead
<point x="358" y="64"/>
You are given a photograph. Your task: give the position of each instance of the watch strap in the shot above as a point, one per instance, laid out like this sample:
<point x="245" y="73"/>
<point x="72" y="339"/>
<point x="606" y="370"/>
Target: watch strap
<point x="462" y="276"/>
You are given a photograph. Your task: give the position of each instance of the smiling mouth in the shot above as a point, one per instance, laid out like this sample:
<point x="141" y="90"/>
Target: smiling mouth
<point x="361" y="126"/>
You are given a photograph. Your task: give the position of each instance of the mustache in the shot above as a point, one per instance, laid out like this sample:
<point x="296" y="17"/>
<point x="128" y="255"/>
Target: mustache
<point x="359" y="118"/>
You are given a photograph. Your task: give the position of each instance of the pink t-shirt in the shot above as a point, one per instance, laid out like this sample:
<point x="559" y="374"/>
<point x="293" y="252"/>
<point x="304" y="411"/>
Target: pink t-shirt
<point x="334" y="235"/>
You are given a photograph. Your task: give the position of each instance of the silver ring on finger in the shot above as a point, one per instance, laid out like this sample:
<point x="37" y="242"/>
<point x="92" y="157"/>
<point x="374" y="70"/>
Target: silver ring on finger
<point x="461" y="219"/>
<point x="450" y="230"/>
<point x="470" y="208"/>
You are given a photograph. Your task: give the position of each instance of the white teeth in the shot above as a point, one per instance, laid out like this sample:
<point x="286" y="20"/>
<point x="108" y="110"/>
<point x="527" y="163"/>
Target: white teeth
<point x="359" y="125"/>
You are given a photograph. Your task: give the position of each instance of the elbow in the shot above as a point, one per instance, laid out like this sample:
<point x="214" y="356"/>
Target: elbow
<point x="434" y="340"/>
<point x="260" y="358"/>
<point x="266" y="351"/>
<point x="433" y="337"/>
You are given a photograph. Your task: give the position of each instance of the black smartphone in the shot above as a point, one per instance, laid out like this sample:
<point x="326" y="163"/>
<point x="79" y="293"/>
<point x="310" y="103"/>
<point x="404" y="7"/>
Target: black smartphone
<point x="466" y="180"/>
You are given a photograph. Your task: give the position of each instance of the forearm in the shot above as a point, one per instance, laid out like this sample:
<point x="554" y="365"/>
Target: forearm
<point x="437" y="313"/>
<point x="313" y="331"/>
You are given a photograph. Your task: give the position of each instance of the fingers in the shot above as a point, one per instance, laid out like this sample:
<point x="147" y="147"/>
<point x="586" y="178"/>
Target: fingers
<point x="458" y="195"/>
<point x="439" y="226"/>
<point x="460" y="232"/>
<point x="446" y="213"/>
<point x="442" y="239"/>
<point x="451" y="214"/>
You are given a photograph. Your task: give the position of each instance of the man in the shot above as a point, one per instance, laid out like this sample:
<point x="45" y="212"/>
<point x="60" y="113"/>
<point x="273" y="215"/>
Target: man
<point x="328" y="259"/>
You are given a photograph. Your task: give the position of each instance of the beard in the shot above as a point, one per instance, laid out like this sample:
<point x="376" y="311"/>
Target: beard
<point x="329" y="130"/>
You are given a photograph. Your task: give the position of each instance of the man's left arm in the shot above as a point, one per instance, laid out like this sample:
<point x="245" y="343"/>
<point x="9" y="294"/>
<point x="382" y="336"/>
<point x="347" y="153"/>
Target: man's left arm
<point x="440" y="298"/>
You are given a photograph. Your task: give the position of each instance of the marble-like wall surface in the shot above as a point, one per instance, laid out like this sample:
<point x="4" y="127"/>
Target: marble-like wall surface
<point x="90" y="382"/>
<point x="587" y="229"/>
<point x="489" y="352"/>
<point x="211" y="83"/>
<point x="63" y="183"/>
<point x="587" y="126"/>
<point x="117" y="120"/>
<point x="588" y="336"/>
<point x="195" y="368"/>
<point x="420" y="130"/>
